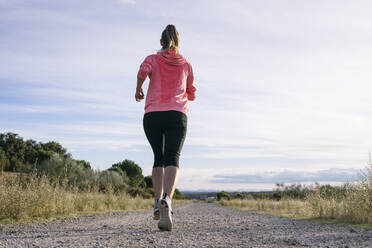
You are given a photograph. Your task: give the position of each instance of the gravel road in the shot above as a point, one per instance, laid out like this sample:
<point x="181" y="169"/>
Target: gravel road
<point x="195" y="225"/>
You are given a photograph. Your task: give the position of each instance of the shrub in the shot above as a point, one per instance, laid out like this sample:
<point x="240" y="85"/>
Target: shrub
<point x="148" y="181"/>
<point x="133" y="171"/>
<point x="292" y="191"/>
<point x="112" y="179"/>
<point x="238" y="196"/>
<point x="277" y="195"/>
<point x="178" y="194"/>
<point x="223" y="195"/>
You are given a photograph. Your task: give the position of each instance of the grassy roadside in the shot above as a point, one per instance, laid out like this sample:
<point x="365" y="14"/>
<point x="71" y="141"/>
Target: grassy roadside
<point x="25" y="199"/>
<point x="350" y="203"/>
<point x="289" y="208"/>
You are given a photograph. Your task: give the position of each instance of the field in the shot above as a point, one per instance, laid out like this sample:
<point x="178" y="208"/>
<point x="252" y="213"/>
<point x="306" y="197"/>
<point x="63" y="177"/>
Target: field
<point x="349" y="203"/>
<point x="25" y="197"/>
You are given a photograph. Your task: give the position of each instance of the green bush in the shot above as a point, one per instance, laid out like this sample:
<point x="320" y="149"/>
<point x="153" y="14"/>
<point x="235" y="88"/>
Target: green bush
<point x="133" y="171"/>
<point x="277" y="195"/>
<point x="148" y="181"/>
<point x="292" y="191"/>
<point x="23" y="156"/>
<point x="112" y="179"/>
<point x="223" y="195"/>
<point x="178" y="194"/>
<point x="238" y="196"/>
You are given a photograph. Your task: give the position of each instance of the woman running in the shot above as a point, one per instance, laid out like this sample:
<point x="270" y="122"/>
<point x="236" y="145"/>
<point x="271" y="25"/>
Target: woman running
<point x="165" y="121"/>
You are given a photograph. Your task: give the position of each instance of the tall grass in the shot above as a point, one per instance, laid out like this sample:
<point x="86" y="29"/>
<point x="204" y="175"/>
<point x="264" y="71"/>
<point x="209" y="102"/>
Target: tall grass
<point x="24" y="197"/>
<point x="351" y="202"/>
<point x="283" y="207"/>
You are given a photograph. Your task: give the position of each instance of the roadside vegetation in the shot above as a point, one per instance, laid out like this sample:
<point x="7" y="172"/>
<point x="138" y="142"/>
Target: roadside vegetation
<point x="348" y="203"/>
<point x="42" y="180"/>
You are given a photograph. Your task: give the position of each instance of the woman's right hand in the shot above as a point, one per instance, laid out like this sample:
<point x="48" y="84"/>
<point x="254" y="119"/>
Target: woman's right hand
<point x="139" y="94"/>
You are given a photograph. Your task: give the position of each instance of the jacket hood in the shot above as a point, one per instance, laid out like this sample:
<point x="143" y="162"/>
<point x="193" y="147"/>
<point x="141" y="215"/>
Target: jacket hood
<point x="171" y="57"/>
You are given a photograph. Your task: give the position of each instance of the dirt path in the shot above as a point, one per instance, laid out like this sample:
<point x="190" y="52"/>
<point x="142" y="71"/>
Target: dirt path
<point x="196" y="225"/>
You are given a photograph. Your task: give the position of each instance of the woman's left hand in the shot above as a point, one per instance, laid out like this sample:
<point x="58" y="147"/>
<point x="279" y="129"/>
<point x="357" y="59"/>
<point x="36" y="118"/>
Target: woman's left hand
<point x="139" y="94"/>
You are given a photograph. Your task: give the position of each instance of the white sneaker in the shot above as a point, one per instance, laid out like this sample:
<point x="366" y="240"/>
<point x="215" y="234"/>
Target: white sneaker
<point x="156" y="210"/>
<point x="165" y="209"/>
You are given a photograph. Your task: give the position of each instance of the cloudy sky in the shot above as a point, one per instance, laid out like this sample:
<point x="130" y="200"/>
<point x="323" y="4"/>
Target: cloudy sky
<point x="284" y="87"/>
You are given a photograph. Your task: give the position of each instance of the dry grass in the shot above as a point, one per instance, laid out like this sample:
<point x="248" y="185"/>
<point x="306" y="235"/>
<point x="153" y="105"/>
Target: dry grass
<point x="284" y="207"/>
<point x="354" y="207"/>
<point x="350" y="203"/>
<point x="24" y="198"/>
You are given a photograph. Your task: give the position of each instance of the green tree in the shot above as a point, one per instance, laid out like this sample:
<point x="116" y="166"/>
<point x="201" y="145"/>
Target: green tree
<point x="43" y="155"/>
<point x="117" y="169"/>
<point x="133" y="171"/>
<point x="14" y="148"/>
<point x="31" y="152"/>
<point x="178" y="194"/>
<point x="54" y="146"/>
<point x="277" y="195"/>
<point x="84" y="164"/>
<point x="239" y="196"/>
<point x="223" y="195"/>
<point x="148" y="181"/>
<point x="16" y="165"/>
<point x="25" y="156"/>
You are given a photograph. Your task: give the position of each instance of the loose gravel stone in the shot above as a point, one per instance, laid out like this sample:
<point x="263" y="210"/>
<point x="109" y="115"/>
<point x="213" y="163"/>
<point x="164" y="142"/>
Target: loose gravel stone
<point x="195" y="225"/>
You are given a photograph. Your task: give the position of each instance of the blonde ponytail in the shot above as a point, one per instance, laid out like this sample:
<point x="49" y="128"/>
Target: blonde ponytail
<point x="170" y="38"/>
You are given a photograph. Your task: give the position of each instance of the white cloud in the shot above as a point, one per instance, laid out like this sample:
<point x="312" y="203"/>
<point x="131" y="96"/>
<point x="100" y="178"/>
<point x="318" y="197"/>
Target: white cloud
<point x="126" y="2"/>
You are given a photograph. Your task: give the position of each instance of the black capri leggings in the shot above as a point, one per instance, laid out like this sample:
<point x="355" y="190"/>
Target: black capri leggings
<point x="166" y="132"/>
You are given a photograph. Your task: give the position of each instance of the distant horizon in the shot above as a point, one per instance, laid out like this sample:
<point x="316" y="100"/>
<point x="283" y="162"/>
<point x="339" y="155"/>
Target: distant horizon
<point x="343" y="176"/>
<point x="267" y="187"/>
<point x="283" y="88"/>
<point x="273" y="186"/>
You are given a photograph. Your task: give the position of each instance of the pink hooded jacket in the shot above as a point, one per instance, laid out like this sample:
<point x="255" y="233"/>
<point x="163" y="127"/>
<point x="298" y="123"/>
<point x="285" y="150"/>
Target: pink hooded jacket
<point x="171" y="82"/>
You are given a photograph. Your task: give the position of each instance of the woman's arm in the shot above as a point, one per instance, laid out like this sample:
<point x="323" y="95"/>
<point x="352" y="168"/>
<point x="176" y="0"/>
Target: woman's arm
<point x="190" y="88"/>
<point x="144" y="71"/>
<point x="139" y="92"/>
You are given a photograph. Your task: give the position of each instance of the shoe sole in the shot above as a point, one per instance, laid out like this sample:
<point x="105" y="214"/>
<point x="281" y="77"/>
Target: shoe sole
<point x="156" y="215"/>
<point x="165" y="222"/>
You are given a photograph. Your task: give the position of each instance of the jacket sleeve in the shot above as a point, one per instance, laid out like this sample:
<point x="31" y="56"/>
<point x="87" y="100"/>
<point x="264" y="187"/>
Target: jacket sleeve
<point x="190" y="88"/>
<point x="145" y="68"/>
